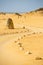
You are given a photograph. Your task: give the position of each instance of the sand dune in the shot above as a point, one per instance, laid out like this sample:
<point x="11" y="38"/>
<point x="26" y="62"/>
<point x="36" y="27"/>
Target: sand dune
<point x="22" y="45"/>
<point x="26" y="19"/>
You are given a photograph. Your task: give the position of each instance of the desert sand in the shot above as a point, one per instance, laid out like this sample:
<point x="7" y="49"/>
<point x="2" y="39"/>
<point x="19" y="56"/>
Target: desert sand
<point x="22" y="45"/>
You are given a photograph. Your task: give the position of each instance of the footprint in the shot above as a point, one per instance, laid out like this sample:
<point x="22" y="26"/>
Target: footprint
<point x="20" y="44"/>
<point x="23" y="27"/>
<point x="21" y="48"/>
<point x="15" y="41"/>
<point x="30" y="53"/>
<point x="33" y="33"/>
<point x="24" y="35"/>
<point x="27" y="52"/>
<point x="38" y="58"/>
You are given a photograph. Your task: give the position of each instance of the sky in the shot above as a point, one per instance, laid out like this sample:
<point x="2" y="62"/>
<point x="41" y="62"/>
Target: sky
<point x="20" y="5"/>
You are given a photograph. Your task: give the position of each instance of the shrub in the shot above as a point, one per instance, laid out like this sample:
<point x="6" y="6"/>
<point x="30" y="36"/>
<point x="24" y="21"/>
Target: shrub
<point x="18" y="14"/>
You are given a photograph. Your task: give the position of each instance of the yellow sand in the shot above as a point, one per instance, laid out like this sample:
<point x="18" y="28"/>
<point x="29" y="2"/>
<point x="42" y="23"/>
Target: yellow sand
<point x="31" y="39"/>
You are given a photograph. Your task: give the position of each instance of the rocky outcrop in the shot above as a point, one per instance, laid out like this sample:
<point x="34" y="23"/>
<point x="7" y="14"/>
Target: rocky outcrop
<point x="10" y="24"/>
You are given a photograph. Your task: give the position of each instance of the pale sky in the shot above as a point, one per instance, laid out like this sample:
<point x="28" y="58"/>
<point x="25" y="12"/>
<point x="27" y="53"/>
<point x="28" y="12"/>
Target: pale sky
<point x="20" y="5"/>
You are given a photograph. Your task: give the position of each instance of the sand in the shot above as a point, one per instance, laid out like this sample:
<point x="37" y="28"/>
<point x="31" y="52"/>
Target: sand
<point x="22" y="45"/>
